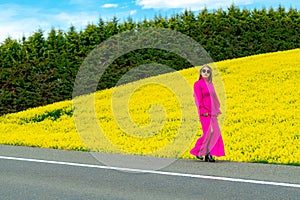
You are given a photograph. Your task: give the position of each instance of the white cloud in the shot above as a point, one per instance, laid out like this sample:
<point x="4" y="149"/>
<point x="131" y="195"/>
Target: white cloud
<point x="109" y="5"/>
<point x="132" y="12"/>
<point x="78" y="19"/>
<point x="18" y="29"/>
<point x="16" y="25"/>
<point x="189" y="4"/>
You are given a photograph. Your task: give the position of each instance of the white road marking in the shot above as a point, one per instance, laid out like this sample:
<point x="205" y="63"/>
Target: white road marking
<point x="154" y="172"/>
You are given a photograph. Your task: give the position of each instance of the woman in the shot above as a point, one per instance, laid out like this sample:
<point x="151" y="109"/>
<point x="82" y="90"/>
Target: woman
<point x="211" y="142"/>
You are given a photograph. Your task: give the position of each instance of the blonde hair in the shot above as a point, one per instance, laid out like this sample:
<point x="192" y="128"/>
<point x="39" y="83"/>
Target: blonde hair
<point x="210" y="76"/>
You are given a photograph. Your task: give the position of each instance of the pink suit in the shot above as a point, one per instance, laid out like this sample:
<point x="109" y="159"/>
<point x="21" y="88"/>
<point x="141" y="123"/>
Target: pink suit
<point x="207" y="102"/>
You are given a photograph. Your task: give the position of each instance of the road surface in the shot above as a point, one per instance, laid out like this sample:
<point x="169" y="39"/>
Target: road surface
<point x="33" y="173"/>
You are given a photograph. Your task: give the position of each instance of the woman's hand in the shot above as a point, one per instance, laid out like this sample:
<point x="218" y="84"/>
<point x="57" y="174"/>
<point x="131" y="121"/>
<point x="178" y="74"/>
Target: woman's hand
<point x="205" y="114"/>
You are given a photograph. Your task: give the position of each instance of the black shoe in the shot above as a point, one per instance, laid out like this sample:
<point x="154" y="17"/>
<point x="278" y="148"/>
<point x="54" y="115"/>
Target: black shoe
<point x="199" y="157"/>
<point x="209" y="158"/>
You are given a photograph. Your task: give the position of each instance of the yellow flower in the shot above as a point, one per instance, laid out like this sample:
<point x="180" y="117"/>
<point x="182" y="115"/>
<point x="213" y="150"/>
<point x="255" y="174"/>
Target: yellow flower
<point x="148" y="117"/>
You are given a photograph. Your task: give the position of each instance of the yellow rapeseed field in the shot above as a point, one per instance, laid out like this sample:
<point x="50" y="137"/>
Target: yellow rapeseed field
<point x="157" y="116"/>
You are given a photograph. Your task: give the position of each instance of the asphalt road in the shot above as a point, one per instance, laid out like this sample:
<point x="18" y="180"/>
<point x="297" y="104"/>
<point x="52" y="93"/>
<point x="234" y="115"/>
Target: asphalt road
<point x="33" y="173"/>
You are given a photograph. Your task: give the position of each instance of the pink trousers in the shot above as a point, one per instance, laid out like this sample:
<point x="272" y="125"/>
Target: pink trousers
<point x="211" y="141"/>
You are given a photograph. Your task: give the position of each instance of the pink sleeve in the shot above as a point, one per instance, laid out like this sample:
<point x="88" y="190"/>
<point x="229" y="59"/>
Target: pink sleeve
<point x="217" y="102"/>
<point x="198" y="98"/>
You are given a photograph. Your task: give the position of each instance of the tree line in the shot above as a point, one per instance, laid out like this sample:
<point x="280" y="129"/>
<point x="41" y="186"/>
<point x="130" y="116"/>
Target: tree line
<point x="41" y="69"/>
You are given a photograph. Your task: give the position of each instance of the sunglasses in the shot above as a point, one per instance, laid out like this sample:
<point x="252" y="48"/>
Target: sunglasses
<point x="205" y="71"/>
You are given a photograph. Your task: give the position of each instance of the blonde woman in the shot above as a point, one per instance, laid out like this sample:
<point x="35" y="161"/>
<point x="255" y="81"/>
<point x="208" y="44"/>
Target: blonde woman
<point x="211" y="142"/>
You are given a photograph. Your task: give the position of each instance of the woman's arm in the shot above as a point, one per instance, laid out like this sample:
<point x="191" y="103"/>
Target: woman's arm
<point x="216" y="101"/>
<point x="199" y="98"/>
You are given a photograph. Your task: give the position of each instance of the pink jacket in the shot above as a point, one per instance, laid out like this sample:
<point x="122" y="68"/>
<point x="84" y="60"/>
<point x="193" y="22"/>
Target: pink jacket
<point x="206" y="98"/>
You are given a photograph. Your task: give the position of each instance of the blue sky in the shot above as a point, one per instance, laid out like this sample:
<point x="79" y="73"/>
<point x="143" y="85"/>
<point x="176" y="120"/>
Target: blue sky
<point x="23" y="17"/>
